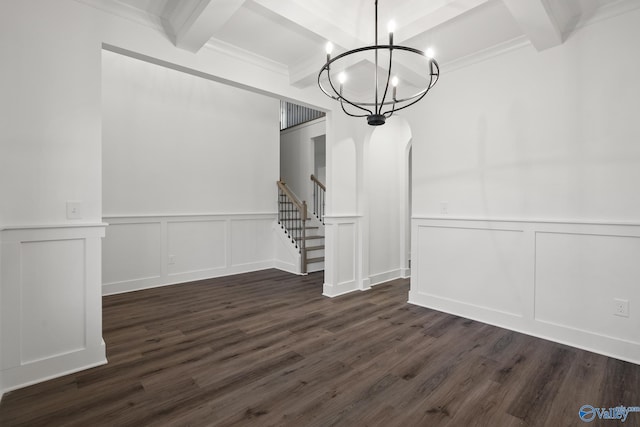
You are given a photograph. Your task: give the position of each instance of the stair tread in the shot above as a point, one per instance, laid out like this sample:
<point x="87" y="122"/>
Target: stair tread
<point x="315" y="248"/>
<point x="314" y="260"/>
<point x="313" y="237"/>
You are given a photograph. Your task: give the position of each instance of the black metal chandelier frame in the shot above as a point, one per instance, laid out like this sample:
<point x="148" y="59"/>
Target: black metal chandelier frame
<point x="376" y="116"/>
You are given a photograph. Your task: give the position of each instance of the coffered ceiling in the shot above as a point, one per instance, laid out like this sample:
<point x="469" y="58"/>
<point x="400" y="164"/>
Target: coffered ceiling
<point x="291" y="34"/>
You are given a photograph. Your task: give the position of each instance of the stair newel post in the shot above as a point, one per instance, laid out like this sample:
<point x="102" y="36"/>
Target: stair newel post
<point x="303" y="240"/>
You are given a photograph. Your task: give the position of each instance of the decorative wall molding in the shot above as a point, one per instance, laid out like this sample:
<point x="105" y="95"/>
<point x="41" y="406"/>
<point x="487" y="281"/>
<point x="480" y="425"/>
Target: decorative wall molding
<point x="603" y="13"/>
<point x="554" y="279"/>
<point x="341" y="261"/>
<point x="130" y="13"/>
<point x="51" y="306"/>
<point x="387" y="276"/>
<point x="488" y="53"/>
<point x="149" y="251"/>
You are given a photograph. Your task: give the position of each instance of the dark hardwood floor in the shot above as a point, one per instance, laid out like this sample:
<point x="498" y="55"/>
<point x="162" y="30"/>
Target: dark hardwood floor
<point x="266" y="348"/>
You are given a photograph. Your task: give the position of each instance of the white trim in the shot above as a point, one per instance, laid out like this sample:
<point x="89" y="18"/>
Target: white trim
<point x="128" y="12"/>
<point x="163" y="274"/>
<point x="51" y="226"/>
<point x="610" y="11"/>
<point x="204" y="216"/>
<point x="602" y="14"/>
<point x="517" y="43"/>
<point x="387" y="276"/>
<point x="333" y="291"/>
<point x="224" y="48"/>
<point x="86" y="347"/>
<point x="304" y="125"/>
<point x="338" y="219"/>
<point x="527" y="220"/>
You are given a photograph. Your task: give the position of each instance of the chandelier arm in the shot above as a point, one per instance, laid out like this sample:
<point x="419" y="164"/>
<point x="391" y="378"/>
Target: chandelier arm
<point x="353" y="115"/>
<point x="419" y="96"/>
<point x="377" y="105"/>
<point x="365" y="48"/>
<point x="386" y="87"/>
<point x="390" y="112"/>
<point x="340" y="96"/>
<point x="322" y="88"/>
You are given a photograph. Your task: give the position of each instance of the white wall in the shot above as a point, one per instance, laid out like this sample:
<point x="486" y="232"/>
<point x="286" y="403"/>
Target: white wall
<point x="386" y="190"/>
<point x="50" y="153"/>
<point x="320" y="158"/>
<point x="297" y="151"/>
<point x="50" y="113"/>
<point x="534" y="155"/>
<point x="343" y="229"/>
<point x="176" y="143"/>
<point x="50" y="306"/>
<point x="189" y="173"/>
<point x="368" y="212"/>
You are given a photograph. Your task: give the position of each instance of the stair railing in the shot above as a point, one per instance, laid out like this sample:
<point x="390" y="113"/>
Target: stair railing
<point x="319" y="191"/>
<point x="292" y="217"/>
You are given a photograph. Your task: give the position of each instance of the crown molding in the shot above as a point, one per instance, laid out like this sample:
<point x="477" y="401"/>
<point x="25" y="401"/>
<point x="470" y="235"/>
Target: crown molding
<point x="485" y="54"/>
<point x="127" y="12"/>
<point x="609" y="11"/>
<point x="230" y="50"/>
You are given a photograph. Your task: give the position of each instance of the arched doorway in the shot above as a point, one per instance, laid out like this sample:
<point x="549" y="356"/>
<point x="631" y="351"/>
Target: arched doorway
<point x="388" y="199"/>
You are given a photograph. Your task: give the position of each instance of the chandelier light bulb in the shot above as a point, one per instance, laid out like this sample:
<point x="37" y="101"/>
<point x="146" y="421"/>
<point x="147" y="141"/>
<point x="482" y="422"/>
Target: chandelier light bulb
<point x="391" y="26"/>
<point x="328" y="48"/>
<point x="394" y="81"/>
<point x="342" y="77"/>
<point x="429" y="53"/>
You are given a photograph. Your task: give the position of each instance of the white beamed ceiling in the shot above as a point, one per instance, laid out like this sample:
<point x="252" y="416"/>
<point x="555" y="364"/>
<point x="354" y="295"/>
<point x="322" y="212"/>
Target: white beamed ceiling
<point x="292" y="33"/>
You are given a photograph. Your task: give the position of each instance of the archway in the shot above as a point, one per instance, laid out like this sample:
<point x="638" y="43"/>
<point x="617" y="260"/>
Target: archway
<point x="388" y="209"/>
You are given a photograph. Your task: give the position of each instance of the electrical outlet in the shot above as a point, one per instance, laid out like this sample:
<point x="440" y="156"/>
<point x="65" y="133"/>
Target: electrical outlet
<point x="74" y="210"/>
<point x="621" y="307"/>
<point x="172" y="259"/>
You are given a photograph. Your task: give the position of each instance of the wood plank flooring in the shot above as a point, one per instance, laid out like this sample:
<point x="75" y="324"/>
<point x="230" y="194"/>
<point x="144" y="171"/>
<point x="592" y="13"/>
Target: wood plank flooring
<point x="266" y="349"/>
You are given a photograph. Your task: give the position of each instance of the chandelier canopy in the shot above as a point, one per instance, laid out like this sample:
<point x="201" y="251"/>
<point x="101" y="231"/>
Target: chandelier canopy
<point x="375" y="108"/>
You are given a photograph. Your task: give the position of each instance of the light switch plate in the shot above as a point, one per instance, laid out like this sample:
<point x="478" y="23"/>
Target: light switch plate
<point x="74" y="210"/>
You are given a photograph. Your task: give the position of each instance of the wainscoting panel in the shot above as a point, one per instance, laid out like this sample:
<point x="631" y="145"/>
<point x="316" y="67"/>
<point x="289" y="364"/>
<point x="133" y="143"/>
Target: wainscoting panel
<point x="245" y="234"/>
<point x="491" y="257"/>
<point x="341" y="266"/>
<point x="51" y="321"/>
<point x="136" y="249"/>
<point x="150" y="251"/>
<point x="604" y="266"/>
<point x="51" y="306"/>
<point x="195" y="246"/>
<point x="555" y="280"/>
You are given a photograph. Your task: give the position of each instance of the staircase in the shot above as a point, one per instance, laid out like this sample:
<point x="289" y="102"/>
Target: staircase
<point x="315" y="249"/>
<point x="304" y="229"/>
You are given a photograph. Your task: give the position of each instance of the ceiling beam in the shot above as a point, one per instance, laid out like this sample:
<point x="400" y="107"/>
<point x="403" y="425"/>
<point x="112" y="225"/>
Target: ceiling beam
<point x="537" y="20"/>
<point x="193" y="22"/>
<point x="414" y="18"/>
<point x="295" y="12"/>
<point x="417" y="18"/>
<point x="306" y="71"/>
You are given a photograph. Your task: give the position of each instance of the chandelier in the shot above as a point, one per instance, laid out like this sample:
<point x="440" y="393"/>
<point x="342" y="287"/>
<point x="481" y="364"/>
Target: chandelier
<point x="381" y="108"/>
